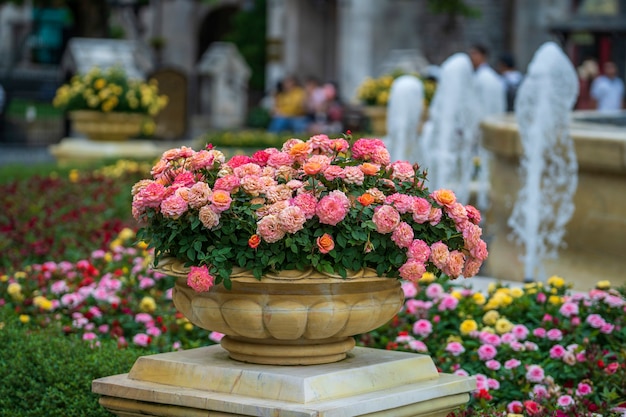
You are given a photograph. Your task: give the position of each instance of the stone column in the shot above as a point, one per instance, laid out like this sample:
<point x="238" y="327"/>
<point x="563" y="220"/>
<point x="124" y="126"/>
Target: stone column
<point x="275" y="67"/>
<point x="356" y="51"/>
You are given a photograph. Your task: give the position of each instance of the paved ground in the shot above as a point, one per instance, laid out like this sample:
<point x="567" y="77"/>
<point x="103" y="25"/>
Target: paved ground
<point x="24" y="155"/>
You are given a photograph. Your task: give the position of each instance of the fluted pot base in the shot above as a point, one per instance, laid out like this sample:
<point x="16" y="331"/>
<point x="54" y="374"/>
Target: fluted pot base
<point x="298" y="352"/>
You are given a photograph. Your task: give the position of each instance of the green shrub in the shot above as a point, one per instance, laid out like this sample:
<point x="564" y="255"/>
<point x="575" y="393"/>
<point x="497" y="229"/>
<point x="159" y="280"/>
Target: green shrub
<point x="47" y="374"/>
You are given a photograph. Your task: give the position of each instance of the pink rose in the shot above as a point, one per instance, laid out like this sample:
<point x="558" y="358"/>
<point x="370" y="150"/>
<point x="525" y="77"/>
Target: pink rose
<point x="402" y="202"/>
<point x="198" y="195"/>
<point x="220" y="200"/>
<point x="402" y="171"/>
<point x="455" y="348"/>
<point x="422" y="327"/>
<point x="412" y="270"/>
<point x="448" y="302"/>
<point x="419" y="250"/>
<point x="333" y="172"/>
<point x="202" y="159"/>
<point x="292" y="219"/>
<point x="439" y="254"/>
<point x="173" y="206"/>
<point x="332" y="208"/>
<point x="199" y="278"/>
<point x="386" y="218"/>
<point x="454" y="266"/>
<point x="227" y="183"/>
<point x="402" y="235"/>
<point x="238" y="160"/>
<point x="421" y="209"/>
<point x="208" y="217"/>
<point x="269" y="229"/>
<point x="557" y="352"/>
<point x="534" y="373"/>
<point x="353" y="175"/>
<point x="141" y="339"/>
<point x="307" y="202"/>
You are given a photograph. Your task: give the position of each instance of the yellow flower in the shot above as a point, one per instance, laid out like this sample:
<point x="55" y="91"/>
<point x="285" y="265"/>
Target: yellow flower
<point x="99" y="84"/>
<point x="147" y="304"/>
<point x="73" y="175"/>
<point x="456" y="294"/>
<point x="503" y="325"/>
<point x="14" y="289"/>
<point x="24" y="318"/>
<point x="188" y="327"/>
<point x="491" y="287"/>
<point x="517" y="292"/>
<point x="556" y="281"/>
<point x="20" y="275"/>
<point x="603" y="285"/>
<point x="454" y="338"/>
<point x="427" y="278"/>
<point x="488" y="329"/>
<point x="115" y="243"/>
<point x="4" y="278"/>
<point x="142" y="245"/>
<point x="555" y="300"/>
<point x="478" y="298"/>
<point x="491" y="317"/>
<point x="108" y="257"/>
<point x="468" y="326"/>
<point x="126" y="233"/>
<point x="514" y="415"/>
<point x="42" y="302"/>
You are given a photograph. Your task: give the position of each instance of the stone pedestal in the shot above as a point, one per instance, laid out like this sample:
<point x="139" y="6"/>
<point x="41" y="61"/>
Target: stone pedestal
<point x="204" y="381"/>
<point x="79" y="150"/>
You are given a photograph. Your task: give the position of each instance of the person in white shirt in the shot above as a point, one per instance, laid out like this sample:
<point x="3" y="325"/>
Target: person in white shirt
<point x="608" y="90"/>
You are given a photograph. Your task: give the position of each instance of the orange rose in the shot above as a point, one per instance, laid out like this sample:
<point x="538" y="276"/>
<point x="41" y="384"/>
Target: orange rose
<point x="312" y="167"/>
<point x="299" y="150"/>
<point x="325" y="243"/>
<point x="444" y="197"/>
<point x="254" y="241"/>
<point x="369" y="169"/>
<point x="366" y="199"/>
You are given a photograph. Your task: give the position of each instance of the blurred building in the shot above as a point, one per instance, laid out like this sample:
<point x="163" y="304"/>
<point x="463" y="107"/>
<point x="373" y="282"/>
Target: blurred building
<point x="339" y="40"/>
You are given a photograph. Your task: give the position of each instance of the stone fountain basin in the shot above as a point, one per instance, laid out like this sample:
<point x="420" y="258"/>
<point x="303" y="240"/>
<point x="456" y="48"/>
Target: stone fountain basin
<point x="596" y="234"/>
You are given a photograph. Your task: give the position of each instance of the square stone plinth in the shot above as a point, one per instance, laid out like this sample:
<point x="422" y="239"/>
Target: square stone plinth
<point x="206" y="382"/>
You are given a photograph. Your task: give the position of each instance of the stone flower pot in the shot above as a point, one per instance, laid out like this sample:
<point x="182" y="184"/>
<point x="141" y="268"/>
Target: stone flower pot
<point x="288" y="318"/>
<point x="100" y="126"/>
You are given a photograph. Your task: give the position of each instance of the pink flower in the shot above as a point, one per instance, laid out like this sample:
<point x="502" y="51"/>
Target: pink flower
<point x="541" y="298"/>
<point x="402" y="202"/>
<point x="141" y="339"/>
<point x="89" y="336"/>
<point x="220" y="200"/>
<point x="472" y="267"/>
<point x="280" y="158"/>
<point x="402" y="171"/>
<point x="421" y="209"/>
<point x="292" y="219"/>
<point x="583" y="389"/>
<point x="486" y="352"/>
<point x="473" y="215"/>
<point x="595" y="320"/>
<point x="454" y="266"/>
<point x="143" y="318"/>
<point x="151" y="195"/>
<point x="439" y="254"/>
<point x="493" y="364"/>
<point x="412" y="270"/>
<point x="208" y="217"/>
<point x="422" y="327"/>
<point x="202" y="159"/>
<point x="554" y="334"/>
<point x="199" y="195"/>
<point x="227" y="183"/>
<point x="448" y="302"/>
<point x="307" y="202"/>
<point x="238" y="160"/>
<point x="409" y="289"/>
<point x="534" y="373"/>
<point x="173" y="206"/>
<point x="539" y="332"/>
<point x="540" y="391"/>
<point x="260" y="157"/>
<point x="515" y="407"/>
<point x="247" y="169"/>
<point x="153" y="331"/>
<point x="607" y="328"/>
<point x="269" y="229"/>
<point x="386" y="219"/>
<point x="520" y="331"/>
<point x="569" y="309"/>
<point x="557" y="352"/>
<point x="565" y="401"/>
<point x="353" y="175"/>
<point x="418" y="346"/>
<point x="444" y="197"/>
<point x="435" y="216"/>
<point x="333" y="172"/>
<point x="332" y="208"/>
<point x="216" y="336"/>
<point x="434" y="291"/>
<point x="455" y="348"/>
<point x="512" y="364"/>
<point x="199" y="278"/>
<point x="418" y="250"/>
<point x="457" y="213"/>
<point x="372" y="150"/>
<point x="403" y="235"/>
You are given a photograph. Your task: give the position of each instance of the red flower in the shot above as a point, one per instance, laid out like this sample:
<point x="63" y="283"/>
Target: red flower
<point x="254" y="241"/>
<point x="483" y="394"/>
<point x="532" y="407"/>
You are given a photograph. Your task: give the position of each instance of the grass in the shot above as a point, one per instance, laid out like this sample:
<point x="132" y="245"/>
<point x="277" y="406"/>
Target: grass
<point x="45" y="110"/>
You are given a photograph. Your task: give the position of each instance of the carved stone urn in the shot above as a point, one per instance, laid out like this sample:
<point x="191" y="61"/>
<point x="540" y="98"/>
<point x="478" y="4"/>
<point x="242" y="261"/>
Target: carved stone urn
<point x="110" y="127"/>
<point x="290" y="317"/>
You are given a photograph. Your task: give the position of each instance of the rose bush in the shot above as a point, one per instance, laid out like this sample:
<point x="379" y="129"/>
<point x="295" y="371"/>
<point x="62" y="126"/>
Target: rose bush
<point x="321" y="203"/>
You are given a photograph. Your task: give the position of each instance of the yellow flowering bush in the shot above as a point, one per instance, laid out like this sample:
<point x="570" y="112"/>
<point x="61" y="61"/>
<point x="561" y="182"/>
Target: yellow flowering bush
<point x="110" y="90"/>
<point x="375" y="91"/>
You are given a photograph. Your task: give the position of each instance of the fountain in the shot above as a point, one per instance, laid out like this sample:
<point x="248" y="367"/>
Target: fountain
<point x="404" y="112"/>
<point x="548" y="167"/>
<point x="449" y="138"/>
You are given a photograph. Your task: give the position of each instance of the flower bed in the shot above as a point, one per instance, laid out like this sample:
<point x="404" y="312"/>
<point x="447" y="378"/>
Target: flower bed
<point x="64" y="216"/>
<point x="537" y="350"/>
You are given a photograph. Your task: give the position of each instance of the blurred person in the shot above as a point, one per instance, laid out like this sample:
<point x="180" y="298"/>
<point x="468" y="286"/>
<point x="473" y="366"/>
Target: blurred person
<point x="315" y="98"/>
<point x="608" y="89"/>
<point x="511" y="77"/>
<point x="289" y="111"/>
<point x="587" y="72"/>
<point x="330" y="116"/>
